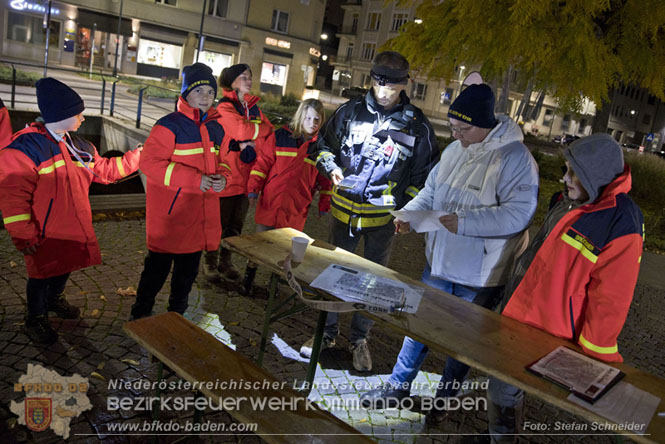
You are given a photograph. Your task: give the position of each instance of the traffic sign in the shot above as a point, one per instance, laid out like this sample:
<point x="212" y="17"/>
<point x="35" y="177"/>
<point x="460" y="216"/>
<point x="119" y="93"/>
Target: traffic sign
<point x="650" y="137"/>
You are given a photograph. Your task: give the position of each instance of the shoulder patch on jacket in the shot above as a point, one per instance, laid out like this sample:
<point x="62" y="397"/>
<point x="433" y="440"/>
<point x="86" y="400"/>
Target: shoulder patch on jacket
<point x="604" y="226"/>
<point x="37" y="147"/>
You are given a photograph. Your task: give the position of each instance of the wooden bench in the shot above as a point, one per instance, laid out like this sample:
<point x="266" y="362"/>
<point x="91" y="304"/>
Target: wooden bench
<point x="197" y="356"/>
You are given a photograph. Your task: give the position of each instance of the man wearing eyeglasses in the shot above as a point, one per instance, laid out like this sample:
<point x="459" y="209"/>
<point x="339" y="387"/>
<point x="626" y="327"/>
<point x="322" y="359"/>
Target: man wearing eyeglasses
<point x="487" y="184"/>
<point x="377" y="150"/>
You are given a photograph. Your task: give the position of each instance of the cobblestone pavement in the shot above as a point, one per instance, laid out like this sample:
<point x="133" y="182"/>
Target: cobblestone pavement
<point x="96" y="343"/>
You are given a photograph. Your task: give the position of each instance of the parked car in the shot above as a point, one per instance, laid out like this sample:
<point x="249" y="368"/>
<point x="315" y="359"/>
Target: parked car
<point x="630" y="146"/>
<point x="353" y="91"/>
<point x="565" y="139"/>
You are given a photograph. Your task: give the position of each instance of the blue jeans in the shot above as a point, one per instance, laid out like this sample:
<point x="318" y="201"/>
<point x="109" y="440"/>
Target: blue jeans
<point x="378" y="245"/>
<point x="413" y="353"/>
<point x="505" y="408"/>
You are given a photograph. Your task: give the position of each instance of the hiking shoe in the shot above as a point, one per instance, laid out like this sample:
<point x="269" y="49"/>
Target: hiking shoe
<point x="226" y="267"/>
<point x="210" y="272"/>
<point x="64" y="309"/>
<point x="306" y="349"/>
<point x="362" y="361"/>
<point x="385" y="397"/>
<point x="39" y="330"/>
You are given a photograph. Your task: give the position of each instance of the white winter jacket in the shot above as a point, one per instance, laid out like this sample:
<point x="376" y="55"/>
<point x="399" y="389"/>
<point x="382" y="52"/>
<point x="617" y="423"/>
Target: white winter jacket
<point x="493" y="188"/>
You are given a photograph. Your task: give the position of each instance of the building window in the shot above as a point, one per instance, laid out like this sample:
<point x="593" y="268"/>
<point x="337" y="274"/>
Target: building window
<point x="280" y="21"/>
<point x="651" y="100"/>
<point x="28" y="29"/>
<point x="399" y="19"/>
<point x="167" y="2"/>
<point x="446" y="97"/>
<point x="582" y="127"/>
<point x="217" y="61"/>
<point x="273" y="78"/>
<point x="419" y="91"/>
<point x="565" y="122"/>
<point x="373" y="21"/>
<point x="547" y="118"/>
<point x="646" y="119"/>
<point x="218" y="8"/>
<point x="366" y="80"/>
<point x="354" y="23"/>
<point x="368" y="51"/>
<point x="349" y="52"/>
<point x="159" y="54"/>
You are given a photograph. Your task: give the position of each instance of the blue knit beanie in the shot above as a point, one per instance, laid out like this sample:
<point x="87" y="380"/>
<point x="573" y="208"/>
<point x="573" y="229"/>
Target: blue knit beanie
<point x="196" y="75"/>
<point x="57" y="101"/>
<point x="475" y="106"/>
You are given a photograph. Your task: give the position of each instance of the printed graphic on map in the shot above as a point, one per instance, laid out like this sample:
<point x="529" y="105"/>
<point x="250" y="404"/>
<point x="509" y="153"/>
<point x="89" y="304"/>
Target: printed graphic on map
<point x="51" y="400"/>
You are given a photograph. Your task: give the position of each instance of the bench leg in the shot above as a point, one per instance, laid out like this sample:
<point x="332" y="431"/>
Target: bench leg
<point x="316" y="351"/>
<point x="272" y="294"/>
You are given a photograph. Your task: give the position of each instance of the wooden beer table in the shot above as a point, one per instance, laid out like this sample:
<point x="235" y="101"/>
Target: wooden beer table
<point x="494" y="344"/>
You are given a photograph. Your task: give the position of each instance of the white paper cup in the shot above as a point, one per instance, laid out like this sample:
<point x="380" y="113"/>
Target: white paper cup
<point x="298" y="247"/>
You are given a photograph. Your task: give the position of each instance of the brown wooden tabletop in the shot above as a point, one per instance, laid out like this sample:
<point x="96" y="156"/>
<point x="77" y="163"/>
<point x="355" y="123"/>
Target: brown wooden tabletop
<point x="197" y="356"/>
<point x="495" y="344"/>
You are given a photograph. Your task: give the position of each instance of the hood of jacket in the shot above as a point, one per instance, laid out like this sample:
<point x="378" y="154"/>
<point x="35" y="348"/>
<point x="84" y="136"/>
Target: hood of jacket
<point x="505" y="132"/>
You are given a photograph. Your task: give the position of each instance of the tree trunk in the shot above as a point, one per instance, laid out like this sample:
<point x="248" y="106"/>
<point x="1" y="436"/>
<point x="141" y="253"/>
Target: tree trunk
<point x="602" y="117"/>
<point x="539" y="105"/>
<point x="523" y="109"/>
<point x="502" y="105"/>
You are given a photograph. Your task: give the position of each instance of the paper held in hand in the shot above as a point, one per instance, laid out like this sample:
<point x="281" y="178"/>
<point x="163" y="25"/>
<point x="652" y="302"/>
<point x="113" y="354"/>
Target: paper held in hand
<point x="421" y="221"/>
<point x="376" y="293"/>
<point x="585" y="377"/>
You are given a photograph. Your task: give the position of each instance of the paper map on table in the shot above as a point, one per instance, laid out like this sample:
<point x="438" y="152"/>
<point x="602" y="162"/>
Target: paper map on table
<point x="358" y="286"/>
<point x="582" y="375"/>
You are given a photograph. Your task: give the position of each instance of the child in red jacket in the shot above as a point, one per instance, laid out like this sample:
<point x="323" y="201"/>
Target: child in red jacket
<point x="45" y="175"/>
<point x="246" y="128"/>
<point x="286" y="178"/>
<point x="185" y="176"/>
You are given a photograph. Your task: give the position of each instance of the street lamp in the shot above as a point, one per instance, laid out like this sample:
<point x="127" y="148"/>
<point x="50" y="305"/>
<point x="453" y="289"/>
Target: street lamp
<point x="324" y="57"/>
<point x="324" y="36"/>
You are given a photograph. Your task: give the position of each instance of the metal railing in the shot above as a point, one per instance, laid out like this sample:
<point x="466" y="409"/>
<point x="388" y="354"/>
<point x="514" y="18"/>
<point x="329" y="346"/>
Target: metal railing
<point x="104" y="94"/>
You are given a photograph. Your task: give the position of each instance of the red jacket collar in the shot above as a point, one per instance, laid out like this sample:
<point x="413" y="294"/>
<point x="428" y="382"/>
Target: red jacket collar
<point x="250" y="100"/>
<point x="195" y="113"/>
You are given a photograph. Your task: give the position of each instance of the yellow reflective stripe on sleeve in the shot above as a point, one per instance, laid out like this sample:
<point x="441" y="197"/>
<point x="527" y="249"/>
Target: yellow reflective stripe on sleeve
<point x="412" y="191"/>
<point x="598" y="349"/>
<point x="639" y="259"/>
<point x="257" y="173"/>
<point x="323" y="154"/>
<point x="188" y="152"/>
<point x="121" y="169"/>
<point x="52" y="167"/>
<point x="310" y="161"/>
<point x="223" y="165"/>
<point x="17" y="218"/>
<point x="256" y="131"/>
<point x="325" y="192"/>
<point x="286" y="153"/>
<point x="579" y="246"/>
<point x="169" y="171"/>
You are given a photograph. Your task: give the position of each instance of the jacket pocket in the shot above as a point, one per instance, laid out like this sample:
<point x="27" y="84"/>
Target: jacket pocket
<point x="48" y="213"/>
<point x="174" y="199"/>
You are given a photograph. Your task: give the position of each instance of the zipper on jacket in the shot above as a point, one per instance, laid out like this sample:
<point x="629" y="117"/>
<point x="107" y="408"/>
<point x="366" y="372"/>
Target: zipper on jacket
<point x="48" y="212"/>
<point x="174" y="199"/>
<point x="572" y="319"/>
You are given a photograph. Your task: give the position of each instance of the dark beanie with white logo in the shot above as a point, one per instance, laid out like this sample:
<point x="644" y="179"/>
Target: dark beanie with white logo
<point x="475" y="106"/>
<point x="57" y="101"/>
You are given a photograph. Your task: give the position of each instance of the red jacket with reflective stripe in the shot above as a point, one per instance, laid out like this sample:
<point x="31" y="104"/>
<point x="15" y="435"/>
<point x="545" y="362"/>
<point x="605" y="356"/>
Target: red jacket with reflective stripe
<point x="5" y="126"/>
<point x="288" y="180"/>
<point x="241" y="123"/>
<point x="580" y="283"/>
<point x="44" y="199"/>
<point x="180" y="218"/>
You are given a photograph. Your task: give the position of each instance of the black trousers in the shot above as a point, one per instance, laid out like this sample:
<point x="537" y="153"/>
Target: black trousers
<point x="155" y="271"/>
<point x="40" y="291"/>
<point x="233" y="211"/>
